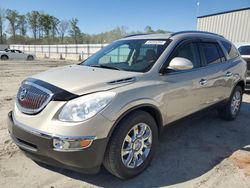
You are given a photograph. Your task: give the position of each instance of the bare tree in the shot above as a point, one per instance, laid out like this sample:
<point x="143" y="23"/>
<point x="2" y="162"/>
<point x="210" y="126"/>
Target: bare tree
<point x="63" y="27"/>
<point x="12" y="16"/>
<point x="2" y="17"/>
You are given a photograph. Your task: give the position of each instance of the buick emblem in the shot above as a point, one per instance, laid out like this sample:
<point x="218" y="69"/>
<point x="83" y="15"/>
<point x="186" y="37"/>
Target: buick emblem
<point x="23" y="94"/>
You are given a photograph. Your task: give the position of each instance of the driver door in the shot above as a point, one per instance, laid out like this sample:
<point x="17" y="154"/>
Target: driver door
<point x="184" y="93"/>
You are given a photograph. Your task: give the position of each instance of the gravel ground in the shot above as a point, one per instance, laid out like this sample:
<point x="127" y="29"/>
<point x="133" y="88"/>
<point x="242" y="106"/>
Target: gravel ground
<point x="202" y="151"/>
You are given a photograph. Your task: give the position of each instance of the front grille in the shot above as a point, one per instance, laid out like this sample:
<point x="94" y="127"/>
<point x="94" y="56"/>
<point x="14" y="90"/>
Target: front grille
<point x="32" y="98"/>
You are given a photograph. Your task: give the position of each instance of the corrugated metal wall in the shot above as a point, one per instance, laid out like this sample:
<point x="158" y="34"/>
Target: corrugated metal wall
<point x="234" y="26"/>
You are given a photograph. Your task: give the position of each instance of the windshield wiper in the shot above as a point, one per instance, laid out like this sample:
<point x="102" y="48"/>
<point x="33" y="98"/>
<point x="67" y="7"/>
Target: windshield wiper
<point x="105" y="66"/>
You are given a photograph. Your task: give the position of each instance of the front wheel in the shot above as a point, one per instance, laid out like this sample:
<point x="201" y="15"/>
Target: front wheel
<point x="132" y="145"/>
<point x="4" y="57"/>
<point x="232" y="108"/>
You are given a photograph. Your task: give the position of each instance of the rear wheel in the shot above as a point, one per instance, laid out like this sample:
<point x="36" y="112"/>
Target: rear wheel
<point x="4" y="57"/>
<point x="132" y="145"/>
<point x="231" y="109"/>
<point x="30" y="58"/>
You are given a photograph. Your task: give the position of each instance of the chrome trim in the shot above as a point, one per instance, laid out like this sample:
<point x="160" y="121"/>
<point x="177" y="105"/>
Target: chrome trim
<point x="33" y="111"/>
<point x="52" y="136"/>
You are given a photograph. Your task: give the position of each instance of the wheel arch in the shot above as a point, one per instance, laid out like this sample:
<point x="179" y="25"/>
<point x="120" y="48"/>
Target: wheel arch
<point x="4" y="55"/>
<point x="242" y="84"/>
<point x="151" y="109"/>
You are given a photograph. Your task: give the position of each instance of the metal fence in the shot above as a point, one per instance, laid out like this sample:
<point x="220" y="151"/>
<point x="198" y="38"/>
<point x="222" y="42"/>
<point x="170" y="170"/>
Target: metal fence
<point x="68" y="51"/>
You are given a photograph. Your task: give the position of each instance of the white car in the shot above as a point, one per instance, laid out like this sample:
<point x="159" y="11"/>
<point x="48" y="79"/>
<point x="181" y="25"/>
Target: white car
<point x="244" y="50"/>
<point x="15" y="54"/>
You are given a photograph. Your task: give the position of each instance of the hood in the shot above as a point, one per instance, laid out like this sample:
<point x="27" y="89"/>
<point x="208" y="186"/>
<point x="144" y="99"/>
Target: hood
<point x="81" y="80"/>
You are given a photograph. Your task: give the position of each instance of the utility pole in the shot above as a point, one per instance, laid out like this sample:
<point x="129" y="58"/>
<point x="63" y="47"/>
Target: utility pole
<point x="197" y="13"/>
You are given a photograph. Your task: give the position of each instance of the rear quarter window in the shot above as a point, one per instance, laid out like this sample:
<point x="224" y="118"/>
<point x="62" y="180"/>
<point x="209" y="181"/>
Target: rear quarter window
<point x="231" y="49"/>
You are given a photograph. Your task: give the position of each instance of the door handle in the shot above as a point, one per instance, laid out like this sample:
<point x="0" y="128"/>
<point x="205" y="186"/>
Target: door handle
<point x="228" y="74"/>
<point x="203" y="82"/>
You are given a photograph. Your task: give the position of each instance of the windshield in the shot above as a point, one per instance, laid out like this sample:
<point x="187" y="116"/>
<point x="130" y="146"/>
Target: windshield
<point x="129" y="55"/>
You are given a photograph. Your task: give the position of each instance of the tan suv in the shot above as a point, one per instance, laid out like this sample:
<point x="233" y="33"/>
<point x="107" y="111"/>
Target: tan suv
<point x="111" y="108"/>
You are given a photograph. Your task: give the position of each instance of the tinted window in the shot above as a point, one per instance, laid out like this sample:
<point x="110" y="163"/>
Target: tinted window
<point x="231" y="50"/>
<point x="222" y="55"/>
<point x="211" y="53"/>
<point x="244" y="50"/>
<point x="189" y="51"/>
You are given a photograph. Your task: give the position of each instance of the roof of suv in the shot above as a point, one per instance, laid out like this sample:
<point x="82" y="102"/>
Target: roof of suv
<point x="173" y="35"/>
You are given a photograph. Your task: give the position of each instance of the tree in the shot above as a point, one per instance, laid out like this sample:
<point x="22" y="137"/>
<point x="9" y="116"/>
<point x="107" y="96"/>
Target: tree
<point x="46" y="25"/>
<point x="12" y="16"/>
<point x="22" y="23"/>
<point x="63" y="28"/>
<point x="54" y="26"/>
<point x="40" y="25"/>
<point x="148" y="29"/>
<point x="2" y="18"/>
<point x="33" y="20"/>
<point x="75" y="31"/>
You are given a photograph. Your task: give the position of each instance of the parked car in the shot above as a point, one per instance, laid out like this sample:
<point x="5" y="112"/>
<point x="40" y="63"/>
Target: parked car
<point x="15" y="54"/>
<point x="244" y="50"/>
<point x="112" y="108"/>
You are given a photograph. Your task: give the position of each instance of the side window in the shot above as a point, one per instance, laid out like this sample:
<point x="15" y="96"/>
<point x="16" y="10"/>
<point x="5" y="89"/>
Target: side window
<point x="210" y="52"/>
<point x="231" y="50"/>
<point x="244" y="50"/>
<point x="190" y="52"/>
<point x="222" y="55"/>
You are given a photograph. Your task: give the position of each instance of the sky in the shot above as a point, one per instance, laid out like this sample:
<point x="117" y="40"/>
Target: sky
<point x="97" y="16"/>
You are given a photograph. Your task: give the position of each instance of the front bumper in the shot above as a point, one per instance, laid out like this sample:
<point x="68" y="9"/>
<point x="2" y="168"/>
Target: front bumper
<point x="39" y="147"/>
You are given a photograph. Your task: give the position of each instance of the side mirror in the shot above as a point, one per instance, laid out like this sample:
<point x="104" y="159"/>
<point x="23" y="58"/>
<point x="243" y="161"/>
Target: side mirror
<point x="180" y="63"/>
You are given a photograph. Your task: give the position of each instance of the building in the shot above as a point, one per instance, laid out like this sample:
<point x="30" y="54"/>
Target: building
<point x="233" y="25"/>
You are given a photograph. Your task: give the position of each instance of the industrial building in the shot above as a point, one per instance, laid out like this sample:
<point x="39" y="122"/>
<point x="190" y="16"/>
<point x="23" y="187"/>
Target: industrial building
<point x="233" y="25"/>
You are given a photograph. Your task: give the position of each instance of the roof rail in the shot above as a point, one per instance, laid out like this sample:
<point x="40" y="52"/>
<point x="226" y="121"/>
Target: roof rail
<point x="138" y="34"/>
<point x="205" y="32"/>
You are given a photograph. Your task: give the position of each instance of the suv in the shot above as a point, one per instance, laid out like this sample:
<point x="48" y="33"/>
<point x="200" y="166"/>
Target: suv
<point x="244" y="50"/>
<point x="111" y="108"/>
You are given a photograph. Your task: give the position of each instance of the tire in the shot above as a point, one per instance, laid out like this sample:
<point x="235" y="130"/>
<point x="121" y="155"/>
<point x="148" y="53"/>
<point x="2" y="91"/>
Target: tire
<point x="4" y="57"/>
<point x="30" y="58"/>
<point x="114" y="161"/>
<point x="229" y="111"/>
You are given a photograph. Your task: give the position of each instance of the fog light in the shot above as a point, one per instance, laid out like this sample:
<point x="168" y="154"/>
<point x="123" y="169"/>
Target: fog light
<point x="69" y="144"/>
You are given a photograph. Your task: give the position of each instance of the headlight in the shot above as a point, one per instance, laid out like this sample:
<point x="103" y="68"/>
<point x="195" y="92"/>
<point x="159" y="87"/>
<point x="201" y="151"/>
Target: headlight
<point x="85" y="107"/>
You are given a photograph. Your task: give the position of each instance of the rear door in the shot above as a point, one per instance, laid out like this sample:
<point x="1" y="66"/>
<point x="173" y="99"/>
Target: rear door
<point x="218" y="75"/>
<point x="20" y="55"/>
